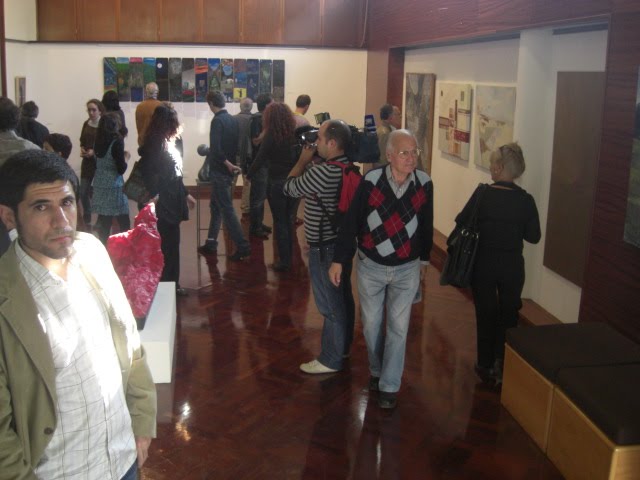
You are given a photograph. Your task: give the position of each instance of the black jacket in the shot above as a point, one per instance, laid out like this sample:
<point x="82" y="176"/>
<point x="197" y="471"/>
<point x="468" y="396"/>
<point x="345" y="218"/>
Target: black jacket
<point x="223" y="142"/>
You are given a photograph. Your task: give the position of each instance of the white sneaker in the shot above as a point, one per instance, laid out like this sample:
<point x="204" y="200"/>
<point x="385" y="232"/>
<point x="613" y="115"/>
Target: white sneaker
<point x="314" y="367"/>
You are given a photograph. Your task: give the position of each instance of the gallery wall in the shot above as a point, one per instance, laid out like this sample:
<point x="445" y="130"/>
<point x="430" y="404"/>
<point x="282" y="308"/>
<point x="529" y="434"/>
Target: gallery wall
<point x="530" y="63"/>
<point x="62" y="77"/>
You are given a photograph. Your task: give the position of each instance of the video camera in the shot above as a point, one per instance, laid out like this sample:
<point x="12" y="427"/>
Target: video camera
<point x="364" y="142"/>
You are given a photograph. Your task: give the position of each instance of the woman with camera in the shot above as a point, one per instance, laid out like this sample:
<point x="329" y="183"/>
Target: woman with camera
<point x="277" y="152"/>
<point x="507" y="215"/>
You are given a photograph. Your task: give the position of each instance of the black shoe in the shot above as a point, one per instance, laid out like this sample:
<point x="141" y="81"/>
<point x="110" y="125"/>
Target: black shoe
<point x="281" y="267"/>
<point x="497" y="371"/>
<point x="267" y="228"/>
<point x="374" y="384"/>
<point x="239" y="255"/>
<point x="207" y="250"/>
<point x="485" y="374"/>
<point x="387" y="400"/>
<point x="181" y="292"/>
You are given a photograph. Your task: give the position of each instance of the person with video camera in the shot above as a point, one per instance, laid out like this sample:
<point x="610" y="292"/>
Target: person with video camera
<point x="320" y="185"/>
<point x="277" y="153"/>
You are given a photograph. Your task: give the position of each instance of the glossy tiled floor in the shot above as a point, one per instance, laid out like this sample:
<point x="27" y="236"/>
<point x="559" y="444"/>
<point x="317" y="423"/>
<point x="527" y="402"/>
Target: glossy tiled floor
<point x="239" y="408"/>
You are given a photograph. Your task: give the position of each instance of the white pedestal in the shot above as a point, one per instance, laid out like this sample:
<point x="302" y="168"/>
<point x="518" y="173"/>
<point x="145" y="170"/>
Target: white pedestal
<point x="159" y="333"/>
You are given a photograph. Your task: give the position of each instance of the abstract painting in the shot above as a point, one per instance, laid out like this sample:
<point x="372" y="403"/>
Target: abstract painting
<point x="201" y="79"/>
<point x="188" y="80"/>
<point x="122" y="69"/>
<point x="149" y="69"/>
<point x="454" y="122"/>
<point x="110" y="74"/>
<point x="162" y="78"/>
<point x="495" y="111"/>
<point x="240" y="85"/>
<point x="265" y="76"/>
<point x="419" y="101"/>
<point x="175" y="79"/>
<point x="253" y="67"/>
<point x="21" y="90"/>
<point x="137" y="78"/>
<point x="278" y="80"/>
<point x="632" y="223"/>
<point x="226" y="79"/>
<point x="213" y="75"/>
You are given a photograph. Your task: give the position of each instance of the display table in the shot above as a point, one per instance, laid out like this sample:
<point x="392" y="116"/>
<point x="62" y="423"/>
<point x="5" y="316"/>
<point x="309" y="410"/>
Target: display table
<point x="159" y="333"/>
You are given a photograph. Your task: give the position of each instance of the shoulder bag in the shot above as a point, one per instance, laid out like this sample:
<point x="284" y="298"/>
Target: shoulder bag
<point x="134" y="186"/>
<point x="461" y="252"/>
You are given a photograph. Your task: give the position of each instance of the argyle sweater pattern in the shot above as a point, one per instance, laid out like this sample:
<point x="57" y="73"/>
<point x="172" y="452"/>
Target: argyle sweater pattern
<point x="389" y="230"/>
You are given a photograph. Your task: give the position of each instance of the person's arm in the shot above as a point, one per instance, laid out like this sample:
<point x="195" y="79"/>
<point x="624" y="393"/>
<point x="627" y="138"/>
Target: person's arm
<point x="302" y="181"/>
<point x="216" y="154"/>
<point x="261" y="157"/>
<point x="426" y="224"/>
<point x="117" y="152"/>
<point x="532" y="233"/>
<point x="13" y="463"/>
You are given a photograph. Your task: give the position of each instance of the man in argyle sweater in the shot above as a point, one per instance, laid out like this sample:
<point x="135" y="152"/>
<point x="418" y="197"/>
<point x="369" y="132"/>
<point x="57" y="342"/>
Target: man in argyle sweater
<point x="391" y="217"/>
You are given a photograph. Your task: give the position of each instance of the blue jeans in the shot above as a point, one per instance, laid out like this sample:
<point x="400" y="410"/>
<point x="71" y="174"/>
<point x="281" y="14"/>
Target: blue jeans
<point x="386" y="348"/>
<point x="222" y="211"/>
<point x="132" y="473"/>
<point x="257" y="196"/>
<point x="335" y="304"/>
<point x="283" y="218"/>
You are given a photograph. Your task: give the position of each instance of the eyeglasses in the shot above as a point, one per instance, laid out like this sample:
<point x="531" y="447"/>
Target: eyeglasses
<point x="404" y="154"/>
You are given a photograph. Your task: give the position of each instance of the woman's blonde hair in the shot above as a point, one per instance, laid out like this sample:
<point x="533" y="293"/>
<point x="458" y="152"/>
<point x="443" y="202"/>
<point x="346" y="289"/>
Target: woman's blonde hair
<point x="511" y="158"/>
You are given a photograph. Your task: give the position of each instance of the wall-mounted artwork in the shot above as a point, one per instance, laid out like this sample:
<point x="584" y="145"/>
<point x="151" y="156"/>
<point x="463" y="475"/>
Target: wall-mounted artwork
<point x="136" y="68"/>
<point x="110" y="74"/>
<point x="189" y="79"/>
<point x="122" y="69"/>
<point x="632" y="223"/>
<point x="226" y="78"/>
<point x="162" y="78"/>
<point x="419" y="101"/>
<point x="21" y="90"/>
<point x="201" y="79"/>
<point x="495" y="112"/>
<point x="454" y="122"/>
<point x="278" y="80"/>
<point x="240" y="83"/>
<point x="175" y="79"/>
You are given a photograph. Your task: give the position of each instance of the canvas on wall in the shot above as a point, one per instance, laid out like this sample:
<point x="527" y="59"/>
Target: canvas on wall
<point x="188" y="79"/>
<point x="632" y="222"/>
<point x="454" y="122"/>
<point x="495" y="113"/>
<point x="419" y="101"/>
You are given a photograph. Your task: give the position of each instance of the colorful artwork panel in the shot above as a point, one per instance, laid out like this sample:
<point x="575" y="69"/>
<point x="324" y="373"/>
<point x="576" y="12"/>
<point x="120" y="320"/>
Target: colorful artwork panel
<point x="632" y="223"/>
<point x="213" y="75"/>
<point x="226" y="78"/>
<point x="495" y="112"/>
<point x="240" y="79"/>
<point x="162" y="78"/>
<point x="201" y="79"/>
<point x="175" y="79"/>
<point x="122" y="67"/>
<point x="278" y="80"/>
<point x="110" y="74"/>
<point x="265" y="76"/>
<point x="253" y="73"/>
<point x="137" y="79"/>
<point x="419" y="101"/>
<point x="188" y="80"/>
<point x="454" y="122"/>
<point x="149" y="69"/>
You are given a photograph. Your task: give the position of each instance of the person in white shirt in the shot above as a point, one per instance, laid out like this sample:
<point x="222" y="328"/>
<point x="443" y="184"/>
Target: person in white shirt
<point x="77" y="400"/>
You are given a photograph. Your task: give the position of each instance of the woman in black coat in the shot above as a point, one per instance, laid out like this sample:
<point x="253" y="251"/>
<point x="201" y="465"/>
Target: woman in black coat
<point x="161" y="164"/>
<point x="507" y="215"/>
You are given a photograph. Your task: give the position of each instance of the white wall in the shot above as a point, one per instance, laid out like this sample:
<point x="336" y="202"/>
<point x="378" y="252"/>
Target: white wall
<point x="62" y="77"/>
<point x="531" y="64"/>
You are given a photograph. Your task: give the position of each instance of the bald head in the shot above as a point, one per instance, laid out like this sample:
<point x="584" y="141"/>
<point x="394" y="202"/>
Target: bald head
<point x="151" y="90"/>
<point x="246" y="104"/>
<point x="398" y="136"/>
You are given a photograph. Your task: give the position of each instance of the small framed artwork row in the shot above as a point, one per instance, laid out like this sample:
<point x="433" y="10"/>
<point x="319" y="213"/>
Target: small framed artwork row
<point x="190" y="79"/>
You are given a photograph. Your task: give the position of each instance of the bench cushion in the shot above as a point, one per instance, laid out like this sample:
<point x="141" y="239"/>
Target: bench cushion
<point x="548" y="348"/>
<point x="609" y="396"/>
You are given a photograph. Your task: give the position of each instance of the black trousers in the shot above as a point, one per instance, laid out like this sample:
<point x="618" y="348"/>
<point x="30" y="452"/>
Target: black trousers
<point x="104" y="222"/>
<point x="170" y="245"/>
<point x="498" y="278"/>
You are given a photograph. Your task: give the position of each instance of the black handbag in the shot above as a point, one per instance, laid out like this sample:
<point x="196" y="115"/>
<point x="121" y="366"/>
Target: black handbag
<point x="462" y="246"/>
<point x="134" y="187"/>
